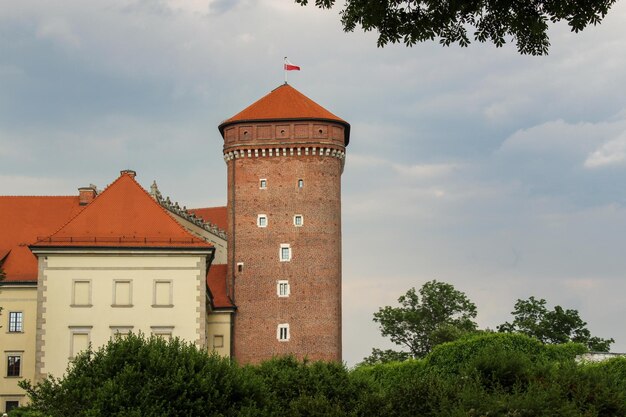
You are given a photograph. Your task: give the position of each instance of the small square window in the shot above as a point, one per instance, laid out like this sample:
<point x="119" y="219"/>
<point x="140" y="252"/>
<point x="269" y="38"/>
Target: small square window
<point x="164" y="332"/>
<point x="282" y="332"/>
<point x="285" y="252"/>
<point x="298" y="220"/>
<point x="261" y="220"/>
<point x="80" y="338"/>
<point x="300" y="183"/>
<point x="14" y="365"/>
<point x="162" y="293"/>
<point x="262" y="183"/>
<point x="15" y="322"/>
<point x="122" y="293"/>
<point x="120" y="332"/>
<point x="239" y="266"/>
<point x="81" y="293"/>
<point x="282" y="288"/>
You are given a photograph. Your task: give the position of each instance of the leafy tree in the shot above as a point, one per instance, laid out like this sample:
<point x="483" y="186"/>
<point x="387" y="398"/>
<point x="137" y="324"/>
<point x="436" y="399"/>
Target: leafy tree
<point x="438" y="314"/>
<point x="412" y="21"/>
<point x="135" y="376"/>
<point x="531" y="317"/>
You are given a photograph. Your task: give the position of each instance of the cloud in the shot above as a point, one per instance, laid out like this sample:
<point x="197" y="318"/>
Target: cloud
<point x="612" y="152"/>
<point x="59" y="31"/>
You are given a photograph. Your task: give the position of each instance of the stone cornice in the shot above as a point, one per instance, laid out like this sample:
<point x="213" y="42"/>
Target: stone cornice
<point x="284" y="151"/>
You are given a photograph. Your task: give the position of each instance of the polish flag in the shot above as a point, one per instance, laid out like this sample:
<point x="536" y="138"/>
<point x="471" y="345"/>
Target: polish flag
<point x="290" y="67"/>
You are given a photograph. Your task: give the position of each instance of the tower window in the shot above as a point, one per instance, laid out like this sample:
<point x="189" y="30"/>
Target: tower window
<point x="262" y="183"/>
<point x="261" y="220"/>
<point x="239" y="266"/>
<point x="282" y="332"/>
<point x="298" y="220"/>
<point x="285" y="252"/>
<point x="282" y="288"/>
<point x="300" y="183"/>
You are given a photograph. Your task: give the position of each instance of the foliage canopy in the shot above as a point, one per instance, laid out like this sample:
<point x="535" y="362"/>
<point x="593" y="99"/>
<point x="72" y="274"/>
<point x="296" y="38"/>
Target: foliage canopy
<point x="437" y="313"/>
<point x="412" y="21"/>
<point x="532" y="318"/>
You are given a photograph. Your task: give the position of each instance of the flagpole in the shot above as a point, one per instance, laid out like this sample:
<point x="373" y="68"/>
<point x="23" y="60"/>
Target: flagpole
<point x="285" y="69"/>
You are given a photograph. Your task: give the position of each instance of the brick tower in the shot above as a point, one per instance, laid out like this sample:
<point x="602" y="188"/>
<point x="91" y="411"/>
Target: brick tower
<point x="285" y="155"/>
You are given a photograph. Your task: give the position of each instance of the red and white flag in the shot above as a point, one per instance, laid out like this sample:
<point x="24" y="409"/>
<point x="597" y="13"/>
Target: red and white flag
<point x="290" y="67"/>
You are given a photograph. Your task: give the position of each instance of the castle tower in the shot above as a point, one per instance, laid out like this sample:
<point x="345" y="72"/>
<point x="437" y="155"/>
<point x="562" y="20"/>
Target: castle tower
<point x="285" y="155"/>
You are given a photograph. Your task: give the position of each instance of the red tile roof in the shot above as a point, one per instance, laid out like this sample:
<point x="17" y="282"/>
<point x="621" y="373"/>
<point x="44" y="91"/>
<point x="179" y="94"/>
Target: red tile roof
<point x="216" y="280"/>
<point x="215" y="215"/>
<point x="284" y="103"/>
<point x="124" y="215"/>
<point x="22" y="220"/>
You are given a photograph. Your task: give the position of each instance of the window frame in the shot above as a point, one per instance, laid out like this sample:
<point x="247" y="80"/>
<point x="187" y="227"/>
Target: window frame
<point x="120" y="331"/>
<point x="263" y="183"/>
<point x="295" y="223"/>
<point x="284" y="246"/>
<point x="217" y="337"/>
<point x="89" y="294"/>
<point x="154" y="293"/>
<point x="283" y="328"/>
<point x="300" y="183"/>
<point x="130" y="293"/>
<point x="10" y="371"/>
<point x="280" y="284"/>
<point x="79" y="330"/>
<point x="259" y="219"/>
<point x="19" y="324"/>
<point x="160" y="331"/>
<point x="14" y="404"/>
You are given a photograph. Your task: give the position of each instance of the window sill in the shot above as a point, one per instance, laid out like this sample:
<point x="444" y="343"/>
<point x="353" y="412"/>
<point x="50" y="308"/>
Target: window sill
<point x="122" y="305"/>
<point x="81" y="305"/>
<point x="20" y="332"/>
<point x="162" y="305"/>
<point x="13" y="377"/>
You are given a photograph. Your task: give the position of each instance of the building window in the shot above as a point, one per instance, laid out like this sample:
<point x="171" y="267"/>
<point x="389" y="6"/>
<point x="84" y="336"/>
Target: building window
<point x="240" y="267"/>
<point x="282" y="332"/>
<point x="81" y="293"/>
<point x="285" y="252"/>
<point x="263" y="183"/>
<point x="298" y="220"/>
<point x="14" y="364"/>
<point x="261" y="220"/>
<point x="122" y="293"/>
<point x="218" y="341"/>
<point x="162" y="293"/>
<point x="163" y="332"/>
<point x="300" y="183"/>
<point x="10" y="405"/>
<point x="15" y="322"/>
<point x="120" y="331"/>
<point x="282" y="288"/>
<point x="80" y="337"/>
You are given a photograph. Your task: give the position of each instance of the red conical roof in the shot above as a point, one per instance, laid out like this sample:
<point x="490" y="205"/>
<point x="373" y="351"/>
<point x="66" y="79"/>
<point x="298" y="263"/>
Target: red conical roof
<point x="124" y="215"/>
<point x="284" y="103"/>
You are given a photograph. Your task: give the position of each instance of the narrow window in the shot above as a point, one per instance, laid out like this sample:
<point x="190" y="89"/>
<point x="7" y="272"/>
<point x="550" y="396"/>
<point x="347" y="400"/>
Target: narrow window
<point x="262" y="183"/>
<point x="285" y="252"/>
<point x="282" y="332"/>
<point x="218" y="341"/>
<point x="79" y="340"/>
<point x="282" y="288"/>
<point x="164" y="332"/>
<point x="298" y="220"/>
<point x="122" y="293"/>
<point x="162" y="294"/>
<point x="81" y="294"/>
<point x="9" y="405"/>
<point x="261" y="220"/>
<point x="14" y="365"/>
<point x="120" y="331"/>
<point x="15" y="322"/>
<point x="239" y="267"/>
<point x="300" y="183"/>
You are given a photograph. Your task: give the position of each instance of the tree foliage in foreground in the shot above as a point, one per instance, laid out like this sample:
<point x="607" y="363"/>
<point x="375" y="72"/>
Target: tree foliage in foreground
<point x="436" y="314"/>
<point x="532" y="318"/>
<point x="495" y="374"/>
<point x="412" y="21"/>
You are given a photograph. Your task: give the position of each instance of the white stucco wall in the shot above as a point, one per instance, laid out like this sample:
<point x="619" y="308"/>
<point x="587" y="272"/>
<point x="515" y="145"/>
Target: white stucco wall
<point x="58" y="318"/>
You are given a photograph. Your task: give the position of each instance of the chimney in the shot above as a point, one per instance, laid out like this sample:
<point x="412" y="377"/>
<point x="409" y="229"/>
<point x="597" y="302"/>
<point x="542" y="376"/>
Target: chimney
<point x="128" y="172"/>
<point x="86" y="195"/>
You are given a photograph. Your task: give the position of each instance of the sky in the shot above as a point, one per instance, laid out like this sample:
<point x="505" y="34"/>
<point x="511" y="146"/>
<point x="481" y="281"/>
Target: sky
<point x="501" y="174"/>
